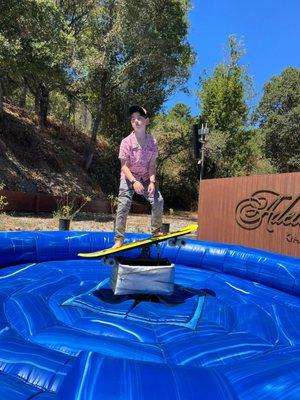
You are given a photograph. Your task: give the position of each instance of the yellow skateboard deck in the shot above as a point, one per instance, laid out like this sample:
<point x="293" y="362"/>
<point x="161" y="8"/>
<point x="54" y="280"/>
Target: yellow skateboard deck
<point x="139" y="243"/>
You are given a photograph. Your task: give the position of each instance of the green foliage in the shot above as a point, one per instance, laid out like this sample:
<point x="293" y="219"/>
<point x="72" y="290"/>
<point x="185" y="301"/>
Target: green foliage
<point x="223" y="95"/>
<point x="35" y="48"/>
<point x="60" y="107"/>
<point x="97" y="53"/>
<point x="278" y="115"/>
<point x="171" y="212"/>
<point x="68" y="206"/>
<point x="177" y="169"/>
<point x="113" y="202"/>
<point x="34" y="39"/>
<point x="216" y="161"/>
<point x="232" y="149"/>
<point x="133" y="59"/>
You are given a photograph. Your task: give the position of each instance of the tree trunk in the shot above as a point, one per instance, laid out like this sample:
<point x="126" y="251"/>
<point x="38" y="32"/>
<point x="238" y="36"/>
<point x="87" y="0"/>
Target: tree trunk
<point x="22" y="100"/>
<point x="1" y="101"/>
<point x="44" y="104"/>
<point x="96" y="123"/>
<point x="92" y="144"/>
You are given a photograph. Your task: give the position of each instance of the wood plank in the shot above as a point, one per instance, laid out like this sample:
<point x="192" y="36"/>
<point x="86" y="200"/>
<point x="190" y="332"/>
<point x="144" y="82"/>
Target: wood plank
<point x="227" y="206"/>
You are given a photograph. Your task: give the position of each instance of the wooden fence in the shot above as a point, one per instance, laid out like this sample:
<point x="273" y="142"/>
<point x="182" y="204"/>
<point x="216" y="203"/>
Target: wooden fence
<point x="36" y="203"/>
<point x="256" y="211"/>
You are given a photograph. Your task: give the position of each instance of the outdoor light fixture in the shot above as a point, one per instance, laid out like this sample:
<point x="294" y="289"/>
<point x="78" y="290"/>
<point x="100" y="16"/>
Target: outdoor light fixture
<point x="199" y="140"/>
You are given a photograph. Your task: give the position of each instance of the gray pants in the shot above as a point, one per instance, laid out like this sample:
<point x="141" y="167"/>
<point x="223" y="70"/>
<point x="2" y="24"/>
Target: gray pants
<point x="126" y="193"/>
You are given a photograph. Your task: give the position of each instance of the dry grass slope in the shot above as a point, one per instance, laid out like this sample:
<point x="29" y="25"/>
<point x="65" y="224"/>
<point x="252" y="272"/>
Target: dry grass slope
<point x="45" y="160"/>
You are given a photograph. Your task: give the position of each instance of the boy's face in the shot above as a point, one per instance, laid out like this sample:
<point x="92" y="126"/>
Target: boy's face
<point x="138" y="122"/>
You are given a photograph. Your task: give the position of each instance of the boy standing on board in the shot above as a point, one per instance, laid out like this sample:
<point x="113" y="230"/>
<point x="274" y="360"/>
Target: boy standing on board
<point x="138" y="154"/>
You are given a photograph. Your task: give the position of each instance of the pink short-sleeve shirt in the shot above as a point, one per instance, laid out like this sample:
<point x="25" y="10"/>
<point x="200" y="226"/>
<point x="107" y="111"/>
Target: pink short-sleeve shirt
<point x="138" y="158"/>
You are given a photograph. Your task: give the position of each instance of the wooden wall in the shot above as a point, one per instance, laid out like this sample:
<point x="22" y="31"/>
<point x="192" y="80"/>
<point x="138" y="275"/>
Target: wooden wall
<point x="36" y="202"/>
<point x="258" y="211"/>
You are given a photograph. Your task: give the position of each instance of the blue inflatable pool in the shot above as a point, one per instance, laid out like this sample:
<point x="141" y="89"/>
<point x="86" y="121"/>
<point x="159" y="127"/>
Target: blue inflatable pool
<point x="231" y="330"/>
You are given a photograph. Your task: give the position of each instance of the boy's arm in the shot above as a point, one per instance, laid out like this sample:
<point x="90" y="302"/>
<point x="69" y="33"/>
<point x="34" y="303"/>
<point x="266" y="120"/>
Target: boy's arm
<point x="152" y="172"/>
<point x="126" y="170"/>
<point x="152" y="169"/>
<point x="138" y="187"/>
<point x="152" y="165"/>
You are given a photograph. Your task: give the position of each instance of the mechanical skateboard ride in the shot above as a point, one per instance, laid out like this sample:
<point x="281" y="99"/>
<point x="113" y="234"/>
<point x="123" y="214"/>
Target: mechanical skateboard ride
<point x="173" y="239"/>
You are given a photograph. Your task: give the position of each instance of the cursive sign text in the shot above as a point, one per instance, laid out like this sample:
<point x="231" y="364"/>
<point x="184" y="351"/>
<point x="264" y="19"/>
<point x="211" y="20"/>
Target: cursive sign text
<point x="292" y="238"/>
<point x="271" y="207"/>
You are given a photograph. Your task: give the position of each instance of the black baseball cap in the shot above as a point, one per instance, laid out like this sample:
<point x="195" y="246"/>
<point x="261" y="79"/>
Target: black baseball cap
<point x="137" y="108"/>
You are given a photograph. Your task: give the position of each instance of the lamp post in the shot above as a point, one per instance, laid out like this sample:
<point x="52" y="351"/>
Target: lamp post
<point x="199" y="140"/>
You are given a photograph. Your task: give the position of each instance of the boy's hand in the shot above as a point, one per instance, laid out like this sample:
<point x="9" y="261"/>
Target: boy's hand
<point x="138" y="187"/>
<point x="151" y="188"/>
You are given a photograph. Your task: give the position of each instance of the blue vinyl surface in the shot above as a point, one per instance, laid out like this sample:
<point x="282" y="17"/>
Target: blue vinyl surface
<point x="231" y="330"/>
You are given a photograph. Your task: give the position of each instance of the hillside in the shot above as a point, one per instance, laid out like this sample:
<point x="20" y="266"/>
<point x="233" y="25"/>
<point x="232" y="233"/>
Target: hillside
<point x="51" y="160"/>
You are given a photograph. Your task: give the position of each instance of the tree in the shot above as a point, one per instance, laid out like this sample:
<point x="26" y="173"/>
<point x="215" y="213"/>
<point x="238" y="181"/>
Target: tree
<point x="223" y="101"/>
<point x="133" y="59"/>
<point x="278" y="115"/>
<point x="223" y="96"/>
<point x="9" y="46"/>
<point x="177" y="170"/>
<point x="34" y="48"/>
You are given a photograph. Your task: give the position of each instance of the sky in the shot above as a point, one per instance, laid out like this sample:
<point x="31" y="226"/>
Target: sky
<point x="270" y="30"/>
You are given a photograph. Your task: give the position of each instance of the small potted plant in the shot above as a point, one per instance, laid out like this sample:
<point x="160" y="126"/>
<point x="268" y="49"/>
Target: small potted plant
<point x="3" y="201"/>
<point x="67" y="208"/>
